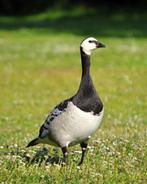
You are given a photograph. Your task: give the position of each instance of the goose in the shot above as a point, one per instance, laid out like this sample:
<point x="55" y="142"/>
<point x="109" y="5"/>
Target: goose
<point x="75" y="119"/>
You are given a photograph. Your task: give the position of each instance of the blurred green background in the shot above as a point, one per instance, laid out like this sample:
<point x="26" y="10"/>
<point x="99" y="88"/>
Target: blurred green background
<point x="40" y="66"/>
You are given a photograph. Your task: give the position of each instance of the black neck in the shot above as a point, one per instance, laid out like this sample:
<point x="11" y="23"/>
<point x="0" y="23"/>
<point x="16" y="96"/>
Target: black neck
<point x="86" y="81"/>
<point x="86" y="97"/>
<point x="85" y="64"/>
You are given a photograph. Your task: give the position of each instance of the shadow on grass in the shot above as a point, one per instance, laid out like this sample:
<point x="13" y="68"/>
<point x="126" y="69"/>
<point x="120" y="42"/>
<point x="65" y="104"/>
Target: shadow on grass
<point x="103" y="24"/>
<point x="40" y="157"/>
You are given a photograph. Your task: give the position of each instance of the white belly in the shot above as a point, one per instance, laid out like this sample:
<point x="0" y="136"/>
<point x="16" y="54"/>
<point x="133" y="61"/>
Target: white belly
<point x="74" y="125"/>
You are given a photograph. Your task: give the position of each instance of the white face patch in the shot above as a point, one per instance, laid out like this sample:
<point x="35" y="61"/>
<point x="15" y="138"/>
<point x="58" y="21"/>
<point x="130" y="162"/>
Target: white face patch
<point x="88" y="45"/>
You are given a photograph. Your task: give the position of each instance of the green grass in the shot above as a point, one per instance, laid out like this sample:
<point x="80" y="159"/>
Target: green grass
<point x="40" y="66"/>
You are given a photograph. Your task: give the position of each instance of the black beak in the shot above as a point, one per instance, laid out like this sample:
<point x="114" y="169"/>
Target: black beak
<point x="100" y="45"/>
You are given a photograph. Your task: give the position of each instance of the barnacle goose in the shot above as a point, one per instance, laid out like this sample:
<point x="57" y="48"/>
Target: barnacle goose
<point x="75" y="119"/>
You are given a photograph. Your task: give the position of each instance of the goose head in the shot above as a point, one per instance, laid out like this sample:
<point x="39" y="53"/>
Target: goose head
<point x="90" y="44"/>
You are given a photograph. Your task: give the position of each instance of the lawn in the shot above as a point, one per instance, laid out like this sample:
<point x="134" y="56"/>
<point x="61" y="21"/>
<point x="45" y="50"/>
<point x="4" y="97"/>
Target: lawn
<point x="40" y="66"/>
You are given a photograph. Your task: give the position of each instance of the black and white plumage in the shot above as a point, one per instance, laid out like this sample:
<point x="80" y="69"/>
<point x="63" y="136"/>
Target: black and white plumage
<point x="74" y="120"/>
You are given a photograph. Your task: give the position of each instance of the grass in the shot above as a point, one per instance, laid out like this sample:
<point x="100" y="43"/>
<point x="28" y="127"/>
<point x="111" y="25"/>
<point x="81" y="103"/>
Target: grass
<point x="40" y="66"/>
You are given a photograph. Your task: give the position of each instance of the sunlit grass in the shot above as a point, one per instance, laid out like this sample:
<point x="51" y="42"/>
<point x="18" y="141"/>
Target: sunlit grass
<point x="39" y="69"/>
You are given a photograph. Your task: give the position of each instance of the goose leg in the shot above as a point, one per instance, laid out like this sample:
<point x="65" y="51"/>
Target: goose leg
<point x="65" y="154"/>
<point x="84" y="148"/>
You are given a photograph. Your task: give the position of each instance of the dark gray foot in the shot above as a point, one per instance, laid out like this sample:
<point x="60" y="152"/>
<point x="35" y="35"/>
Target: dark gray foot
<point x="84" y="148"/>
<point x="65" y="154"/>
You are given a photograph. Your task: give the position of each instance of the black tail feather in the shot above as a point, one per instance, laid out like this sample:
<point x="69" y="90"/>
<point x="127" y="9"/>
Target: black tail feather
<point x="33" y="142"/>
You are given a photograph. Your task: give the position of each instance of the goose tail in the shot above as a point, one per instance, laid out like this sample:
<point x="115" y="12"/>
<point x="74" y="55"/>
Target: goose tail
<point x="33" y="142"/>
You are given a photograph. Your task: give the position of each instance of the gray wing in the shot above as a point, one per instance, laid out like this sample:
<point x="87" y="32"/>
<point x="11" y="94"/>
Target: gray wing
<point x="57" y="111"/>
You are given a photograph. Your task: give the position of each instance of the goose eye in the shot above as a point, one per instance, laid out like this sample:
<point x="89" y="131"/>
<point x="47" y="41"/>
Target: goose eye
<point x="90" y="41"/>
